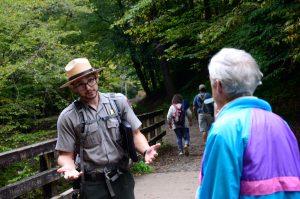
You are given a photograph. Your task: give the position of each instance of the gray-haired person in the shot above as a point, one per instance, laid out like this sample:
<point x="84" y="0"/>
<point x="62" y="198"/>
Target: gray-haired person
<point x="250" y="152"/>
<point x="103" y="160"/>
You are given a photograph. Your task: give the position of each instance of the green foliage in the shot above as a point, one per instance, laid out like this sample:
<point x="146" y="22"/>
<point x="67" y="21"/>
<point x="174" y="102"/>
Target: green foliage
<point x="131" y="38"/>
<point x="18" y="172"/>
<point x="141" y="168"/>
<point x="9" y="141"/>
<point x="37" y="39"/>
<point x="267" y="29"/>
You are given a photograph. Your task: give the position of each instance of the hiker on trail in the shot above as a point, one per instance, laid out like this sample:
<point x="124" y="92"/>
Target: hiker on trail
<point x="178" y="115"/>
<point x="187" y="120"/>
<point x="205" y="112"/>
<point x="251" y="152"/>
<point x="103" y="161"/>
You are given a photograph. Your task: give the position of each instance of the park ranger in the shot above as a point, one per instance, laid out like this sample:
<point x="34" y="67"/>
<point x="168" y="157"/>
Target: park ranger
<point x="103" y="161"/>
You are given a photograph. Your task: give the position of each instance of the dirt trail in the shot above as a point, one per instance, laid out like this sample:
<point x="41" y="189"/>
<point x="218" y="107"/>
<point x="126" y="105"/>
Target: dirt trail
<point x="175" y="176"/>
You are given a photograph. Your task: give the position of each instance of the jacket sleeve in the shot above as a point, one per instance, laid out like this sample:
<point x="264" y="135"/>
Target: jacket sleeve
<point x="222" y="165"/>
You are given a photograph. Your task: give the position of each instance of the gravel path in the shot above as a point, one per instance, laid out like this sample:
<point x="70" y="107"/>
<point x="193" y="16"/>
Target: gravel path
<point x="174" y="176"/>
<point x="170" y="161"/>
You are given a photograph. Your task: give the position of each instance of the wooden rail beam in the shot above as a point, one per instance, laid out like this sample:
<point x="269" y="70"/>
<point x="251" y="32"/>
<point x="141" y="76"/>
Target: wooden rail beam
<point x="156" y="138"/>
<point x="152" y="127"/>
<point x="29" y="184"/>
<point x="27" y="152"/>
<point x="150" y="115"/>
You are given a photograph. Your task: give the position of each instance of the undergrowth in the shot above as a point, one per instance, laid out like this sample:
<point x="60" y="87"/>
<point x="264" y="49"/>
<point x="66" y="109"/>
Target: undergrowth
<point x="141" y="168"/>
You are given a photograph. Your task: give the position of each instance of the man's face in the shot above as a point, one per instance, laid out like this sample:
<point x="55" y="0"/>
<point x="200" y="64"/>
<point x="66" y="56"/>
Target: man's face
<point x="86" y="87"/>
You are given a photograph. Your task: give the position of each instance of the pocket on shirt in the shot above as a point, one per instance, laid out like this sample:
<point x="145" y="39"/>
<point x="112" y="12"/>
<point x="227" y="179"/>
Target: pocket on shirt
<point x="93" y="137"/>
<point x="113" y="128"/>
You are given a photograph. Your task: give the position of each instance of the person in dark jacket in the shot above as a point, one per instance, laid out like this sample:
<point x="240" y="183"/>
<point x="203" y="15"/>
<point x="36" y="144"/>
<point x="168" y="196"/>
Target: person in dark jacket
<point x="205" y="111"/>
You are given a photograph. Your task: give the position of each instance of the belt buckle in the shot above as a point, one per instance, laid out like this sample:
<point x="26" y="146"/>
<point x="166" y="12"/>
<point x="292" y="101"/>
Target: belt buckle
<point x="111" y="175"/>
<point x="107" y="173"/>
<point x="108" y="179"/>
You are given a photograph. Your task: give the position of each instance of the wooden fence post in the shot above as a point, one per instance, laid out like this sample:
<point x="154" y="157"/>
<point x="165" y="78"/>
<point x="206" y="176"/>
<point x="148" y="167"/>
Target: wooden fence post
<point x="47" y="162"/>
<point x="151" y="122"/>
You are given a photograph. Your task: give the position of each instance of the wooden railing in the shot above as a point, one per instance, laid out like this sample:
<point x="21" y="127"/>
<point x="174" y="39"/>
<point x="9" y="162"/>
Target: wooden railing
<point x="153" y="128"/>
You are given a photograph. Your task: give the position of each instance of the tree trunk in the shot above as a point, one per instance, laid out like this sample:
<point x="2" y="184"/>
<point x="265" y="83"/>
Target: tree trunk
<point x="138" y="68"/>
<point x="153" y="78"/>
<point x="207" y="11"/>
<point x="190" y="4"/>
<point x="164" y="66"/>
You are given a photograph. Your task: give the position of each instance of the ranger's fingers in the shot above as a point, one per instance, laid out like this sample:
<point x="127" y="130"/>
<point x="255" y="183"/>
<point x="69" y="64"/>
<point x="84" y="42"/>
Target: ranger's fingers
<point x="66" y="176"/>
<point x="61" y="170"/>
<point x="80" y="173"/>
<point x="156" y="146"/>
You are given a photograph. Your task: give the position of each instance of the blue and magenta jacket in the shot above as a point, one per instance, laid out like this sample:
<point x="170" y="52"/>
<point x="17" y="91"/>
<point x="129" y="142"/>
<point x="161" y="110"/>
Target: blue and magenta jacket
<point x="251" y="153"/>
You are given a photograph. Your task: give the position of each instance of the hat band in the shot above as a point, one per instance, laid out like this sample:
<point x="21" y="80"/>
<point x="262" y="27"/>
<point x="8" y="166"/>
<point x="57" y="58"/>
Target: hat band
<point x="80" y="74"/>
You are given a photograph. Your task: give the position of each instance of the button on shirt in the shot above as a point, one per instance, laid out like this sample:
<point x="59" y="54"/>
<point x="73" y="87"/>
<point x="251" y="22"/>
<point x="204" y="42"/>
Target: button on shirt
<point x="102" y="143"/>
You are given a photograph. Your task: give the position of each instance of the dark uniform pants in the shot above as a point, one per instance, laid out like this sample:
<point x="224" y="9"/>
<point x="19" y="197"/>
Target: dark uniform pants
<point x="123" y="187"/>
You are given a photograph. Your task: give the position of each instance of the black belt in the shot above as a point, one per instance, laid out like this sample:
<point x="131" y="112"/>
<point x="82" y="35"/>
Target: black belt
<point x="108" y="176"/>
<point x="94" y="177"/>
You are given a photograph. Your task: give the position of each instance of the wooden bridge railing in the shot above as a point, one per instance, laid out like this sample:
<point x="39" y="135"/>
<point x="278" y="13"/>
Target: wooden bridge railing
<point x="153" y="128"/>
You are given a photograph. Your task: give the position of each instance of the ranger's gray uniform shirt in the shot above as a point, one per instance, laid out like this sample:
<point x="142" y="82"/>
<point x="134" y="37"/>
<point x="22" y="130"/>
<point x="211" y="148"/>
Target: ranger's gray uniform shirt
<point x="102" y="145"/>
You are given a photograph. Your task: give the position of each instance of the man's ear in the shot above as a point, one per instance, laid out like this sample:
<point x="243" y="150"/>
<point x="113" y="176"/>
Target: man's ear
<point x="71" y="87"/>
<point x="219" y="86"/>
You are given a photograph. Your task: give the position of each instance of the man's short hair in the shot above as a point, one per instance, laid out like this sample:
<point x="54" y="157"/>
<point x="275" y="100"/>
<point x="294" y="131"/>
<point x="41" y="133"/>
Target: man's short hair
<point x="201" y="87"/>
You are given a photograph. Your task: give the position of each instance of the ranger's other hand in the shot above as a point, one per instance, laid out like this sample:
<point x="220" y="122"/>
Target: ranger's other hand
<point x="69" y="173"/>
<point x="151" y="153"/>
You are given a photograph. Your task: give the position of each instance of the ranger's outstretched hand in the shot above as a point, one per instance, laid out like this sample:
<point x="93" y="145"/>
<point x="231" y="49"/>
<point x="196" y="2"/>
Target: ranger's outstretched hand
<point x="151" y="154"/>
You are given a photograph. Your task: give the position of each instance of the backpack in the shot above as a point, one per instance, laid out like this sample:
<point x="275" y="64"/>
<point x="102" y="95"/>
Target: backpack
<point x="205" y="107"/>
<point x="178" y="116"/>
<point x="200" y="101"/>
<point x="125" y="128"/>
<point x="201" y="104"/>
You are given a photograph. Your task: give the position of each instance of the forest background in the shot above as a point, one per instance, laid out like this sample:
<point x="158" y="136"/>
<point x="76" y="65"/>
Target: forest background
<point x="160" y="47"/>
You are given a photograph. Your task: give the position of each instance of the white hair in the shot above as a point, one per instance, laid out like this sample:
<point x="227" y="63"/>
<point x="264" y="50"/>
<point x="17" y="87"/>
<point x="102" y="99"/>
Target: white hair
<point x="237" y="70"/>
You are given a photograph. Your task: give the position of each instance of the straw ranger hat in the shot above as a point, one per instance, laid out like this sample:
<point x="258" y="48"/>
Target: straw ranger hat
<point x="78" y="68"/>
